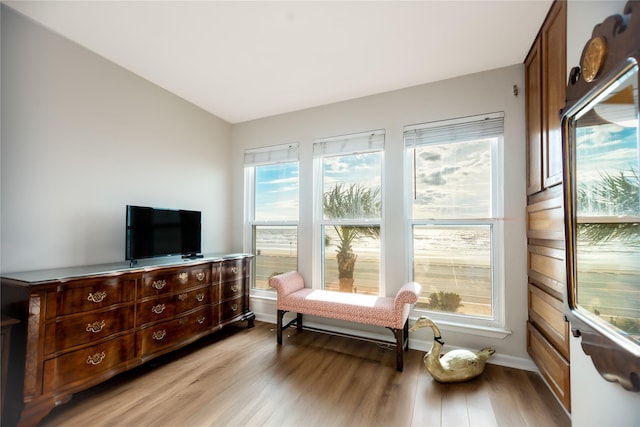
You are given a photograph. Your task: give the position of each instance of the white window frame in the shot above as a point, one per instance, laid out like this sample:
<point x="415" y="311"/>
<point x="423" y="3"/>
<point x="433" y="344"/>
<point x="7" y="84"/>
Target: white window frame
<point x="493" y="326"/>
<point x="343" y="145"/>
<point x="285" y="153"/>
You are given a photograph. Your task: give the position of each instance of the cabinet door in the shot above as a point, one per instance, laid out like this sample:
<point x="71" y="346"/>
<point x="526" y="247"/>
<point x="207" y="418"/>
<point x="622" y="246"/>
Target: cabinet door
<point x="533" y="77"/>
<point x="554" y="81"/>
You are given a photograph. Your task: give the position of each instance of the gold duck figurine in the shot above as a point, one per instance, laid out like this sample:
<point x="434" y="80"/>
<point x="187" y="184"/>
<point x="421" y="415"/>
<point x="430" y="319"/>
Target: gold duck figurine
<point x="454" y="366"/>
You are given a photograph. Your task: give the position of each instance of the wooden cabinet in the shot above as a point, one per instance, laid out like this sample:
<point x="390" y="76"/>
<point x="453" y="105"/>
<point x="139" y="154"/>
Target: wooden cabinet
<point x="84" y="327"/>
<point x="547" y="329"/>
<point x="546" y="80"/>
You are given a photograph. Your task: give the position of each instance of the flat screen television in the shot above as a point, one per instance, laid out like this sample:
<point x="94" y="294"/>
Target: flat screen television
<point x="153" y="232"/>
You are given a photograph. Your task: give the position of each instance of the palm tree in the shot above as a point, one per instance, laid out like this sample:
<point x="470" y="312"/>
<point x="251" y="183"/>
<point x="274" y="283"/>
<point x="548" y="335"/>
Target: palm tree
<point x="356" y="202"/>
<point x="613" y="193"/>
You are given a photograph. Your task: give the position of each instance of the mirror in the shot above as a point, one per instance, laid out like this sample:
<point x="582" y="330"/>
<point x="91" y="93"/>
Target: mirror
<point x="606" y="199"/>
<point x="601" y="166"/>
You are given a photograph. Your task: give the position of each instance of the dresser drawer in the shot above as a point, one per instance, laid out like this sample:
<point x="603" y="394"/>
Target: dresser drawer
<point x="234" y="269"/>
<point x="232" y="289"/>
<point x="89" y="294"/>
<point x="166" y="307"/>
<point x="75" y="330"/>
<point x="545" y="312"/>
<point x="232" y="308"/>
<point x="173" y="332"/>
<point x="547" y="269"/>
<point x="174" y="280"/>
<point x="553" y="367"/>
<point x="82" y="366"/>
<point x="545" y="217"/>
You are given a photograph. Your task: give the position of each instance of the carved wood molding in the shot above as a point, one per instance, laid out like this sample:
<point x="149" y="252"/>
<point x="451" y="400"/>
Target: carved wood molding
<point x="621" y="37"/>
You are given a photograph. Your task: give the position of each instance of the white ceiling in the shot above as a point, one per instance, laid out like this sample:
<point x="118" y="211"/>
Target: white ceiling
<point x="246" y="60"/>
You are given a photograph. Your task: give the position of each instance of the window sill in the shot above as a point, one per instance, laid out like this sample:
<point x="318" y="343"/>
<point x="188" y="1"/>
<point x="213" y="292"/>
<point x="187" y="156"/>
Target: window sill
<point x="477" y="330"/>
<point x="263" y="294"/>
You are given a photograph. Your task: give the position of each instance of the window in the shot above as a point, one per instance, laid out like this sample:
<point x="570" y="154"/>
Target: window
<point x="349" y="211"/>
<point x="455" y="207"/>
<point x="271" y="211"/>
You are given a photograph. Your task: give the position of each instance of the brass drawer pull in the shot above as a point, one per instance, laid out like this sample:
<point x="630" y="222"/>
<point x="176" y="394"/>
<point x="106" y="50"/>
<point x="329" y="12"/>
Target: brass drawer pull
<point x="97" y="297"/>
<point x="200" y="297"/>
<point x="159" y="284"/>
<point x="183" y="276"/>
<point x="95" y="327"/>
<point x="96" y="359"/>
<point x="234" y="269"/>
<point x="182" y="297"/>
<point x="235" y="288"/>
<point x="157" y="309"/>
<point x="234" y="307"/>
<point x="158" y="335"/>
<point x="200" y="276"/>
<point x="200" y="319"/>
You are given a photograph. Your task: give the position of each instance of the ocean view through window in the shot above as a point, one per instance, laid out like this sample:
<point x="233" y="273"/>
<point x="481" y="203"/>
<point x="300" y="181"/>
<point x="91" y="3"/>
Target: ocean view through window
<point x="452" y="175"/>
<point x="271" y="184"/>
<point x="349" y="211"/>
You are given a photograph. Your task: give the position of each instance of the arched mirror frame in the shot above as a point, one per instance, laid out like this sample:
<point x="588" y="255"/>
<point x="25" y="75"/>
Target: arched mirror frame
<point x="608" y="57"/>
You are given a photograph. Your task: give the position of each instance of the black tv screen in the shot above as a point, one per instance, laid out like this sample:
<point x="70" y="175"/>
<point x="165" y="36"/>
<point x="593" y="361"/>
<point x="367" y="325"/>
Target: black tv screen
<point x="154" y="232"/>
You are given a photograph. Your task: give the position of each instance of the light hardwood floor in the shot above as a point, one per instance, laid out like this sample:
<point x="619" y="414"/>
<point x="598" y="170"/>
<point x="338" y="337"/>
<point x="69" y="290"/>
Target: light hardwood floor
<point x="241" y="377"/>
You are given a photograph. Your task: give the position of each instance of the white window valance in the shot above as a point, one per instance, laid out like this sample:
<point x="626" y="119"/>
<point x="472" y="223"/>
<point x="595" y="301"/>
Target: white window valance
<point x="274" y="154"/>
<point x="458" y="130"/>
<point x="349" y="144"/>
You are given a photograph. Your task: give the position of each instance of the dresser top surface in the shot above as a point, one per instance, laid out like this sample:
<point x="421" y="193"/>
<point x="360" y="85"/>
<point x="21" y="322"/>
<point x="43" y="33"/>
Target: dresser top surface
<point x="65" y="273"/>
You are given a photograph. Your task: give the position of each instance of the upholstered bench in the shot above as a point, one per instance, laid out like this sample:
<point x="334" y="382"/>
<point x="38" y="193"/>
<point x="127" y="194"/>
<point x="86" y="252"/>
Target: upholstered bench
<point x="389" y="312"/>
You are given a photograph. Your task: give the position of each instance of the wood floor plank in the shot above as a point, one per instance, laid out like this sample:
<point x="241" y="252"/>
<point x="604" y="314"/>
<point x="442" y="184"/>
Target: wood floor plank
<point x="241" y="377"/>
<point x="427" y="410"/>
<point x="454" y="406"/>
<point x="479" y="404"/>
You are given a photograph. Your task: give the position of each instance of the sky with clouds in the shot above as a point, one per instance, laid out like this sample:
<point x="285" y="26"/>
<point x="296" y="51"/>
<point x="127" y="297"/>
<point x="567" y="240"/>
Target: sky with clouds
<point x="277" y="187"/>
<point x="453" y="180"/>
<point x="605" y="150"/>
<point x="276" y="192"/>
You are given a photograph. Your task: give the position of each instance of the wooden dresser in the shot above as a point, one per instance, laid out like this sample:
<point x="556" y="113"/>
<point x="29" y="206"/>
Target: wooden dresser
<point x="84" y="325"/>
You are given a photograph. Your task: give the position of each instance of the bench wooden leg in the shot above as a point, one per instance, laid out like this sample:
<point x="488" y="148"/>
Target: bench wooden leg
<point x="299" y="322"/>
<point x="279" y="325"/>
<point x="406" y="335"/>
<point x="399" y="333"/>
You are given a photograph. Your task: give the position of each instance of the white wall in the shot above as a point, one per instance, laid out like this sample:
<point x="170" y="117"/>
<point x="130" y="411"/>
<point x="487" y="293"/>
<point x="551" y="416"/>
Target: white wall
<point x="82" y="138"/>
<point x="594" y="401"/>
<point x="474" y="94"/>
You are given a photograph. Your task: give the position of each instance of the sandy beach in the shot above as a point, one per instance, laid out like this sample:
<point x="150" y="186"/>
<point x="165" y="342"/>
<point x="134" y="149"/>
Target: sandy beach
<point x="471" y="282"/>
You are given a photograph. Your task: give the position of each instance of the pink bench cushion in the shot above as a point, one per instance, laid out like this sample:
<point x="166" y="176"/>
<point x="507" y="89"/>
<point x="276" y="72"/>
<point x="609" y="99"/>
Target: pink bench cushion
<point x="368" y="309"/>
